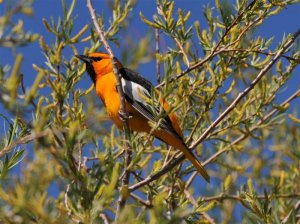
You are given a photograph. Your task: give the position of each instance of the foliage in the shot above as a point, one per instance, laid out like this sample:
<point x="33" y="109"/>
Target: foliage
<point x="56" y="134"/>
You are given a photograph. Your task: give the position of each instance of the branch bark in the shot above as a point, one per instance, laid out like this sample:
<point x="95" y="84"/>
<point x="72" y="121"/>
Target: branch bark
<point x="241" y="95"/>
<point x="215" y="51"/>
<point x="123" y="113"/>
<point x="247" y="90"/>
<point x="295" y="208"/>
<point x="158" y="79"/>
<point x="23" y="140"/>
<point x="237" y="197"/>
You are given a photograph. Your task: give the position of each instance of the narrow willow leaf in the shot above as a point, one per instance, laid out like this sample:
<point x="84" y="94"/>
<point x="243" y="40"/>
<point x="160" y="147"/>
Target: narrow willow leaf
<point x="46" y="24"/>
<point x="110" y="189"/>
<point x="149" y="23"/>
<point x="12" y="132"/>
<point x="198" y="29"/>
<point x="58" y="52"/>
<point x="39" y="106"/>
<point x="86" y="38"/>
<point x="27" y="11"/>
<point x="232" y="85"/>
<point x="18" y="27"/>
<point x="79" y="34"/>
<point x="70" y="11"/>
<point x="157" y="165"/>
<point x="294" y="119"/>
<point x="276" y="11"/>
<point x="187" y="16"/>
<point x="170" y="11"/>
<point x="218" y="5"/>
<point x="16" y="158"/>
<point x="250" y="187"/>
<point x="264" y="62"/>
<point x="33" y="91"/>
<point x="207" y="207"/>
<point x="279" y="66"/>
<point x="145" y="161"/>
<point x="227" y="182"/>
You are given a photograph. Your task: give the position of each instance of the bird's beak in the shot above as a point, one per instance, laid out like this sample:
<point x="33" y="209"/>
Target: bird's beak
<point x="83" y="58"/>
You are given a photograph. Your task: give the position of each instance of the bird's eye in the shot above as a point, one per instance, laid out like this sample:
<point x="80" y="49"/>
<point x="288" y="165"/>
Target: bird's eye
<point x="96" y="58"/>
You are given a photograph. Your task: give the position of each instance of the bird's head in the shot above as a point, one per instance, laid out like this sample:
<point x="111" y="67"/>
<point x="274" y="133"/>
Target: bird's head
<point x="97" y="64"/>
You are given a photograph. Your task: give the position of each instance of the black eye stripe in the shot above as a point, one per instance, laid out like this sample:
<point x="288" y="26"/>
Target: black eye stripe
<point x="96" y="58"/>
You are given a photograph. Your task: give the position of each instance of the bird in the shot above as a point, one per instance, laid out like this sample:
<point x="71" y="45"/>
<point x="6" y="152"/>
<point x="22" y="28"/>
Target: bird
<point x="139" y="93"/>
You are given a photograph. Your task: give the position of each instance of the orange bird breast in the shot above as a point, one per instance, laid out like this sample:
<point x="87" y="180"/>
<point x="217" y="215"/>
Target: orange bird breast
<point x="106" y="90"/>
<point x="140" y="103"/>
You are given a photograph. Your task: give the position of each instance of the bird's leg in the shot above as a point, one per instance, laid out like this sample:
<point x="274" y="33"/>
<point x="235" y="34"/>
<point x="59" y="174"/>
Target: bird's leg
<point x="124" y="116"/>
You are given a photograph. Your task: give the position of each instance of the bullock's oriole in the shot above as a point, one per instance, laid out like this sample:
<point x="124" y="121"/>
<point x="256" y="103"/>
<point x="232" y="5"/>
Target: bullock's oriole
<point x="138" y="93"/>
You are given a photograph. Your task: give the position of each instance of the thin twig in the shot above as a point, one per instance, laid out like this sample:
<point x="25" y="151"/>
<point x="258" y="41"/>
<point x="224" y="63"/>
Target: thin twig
<point x="201" y="117"/>
<point x="123" y="113"/>
<point x="167" y="156"/>
<point x="295" y="208"/>
<point x="208" y="218"/>
<point x="182" y="51"/>
<point x="24" y="90"/>
<point x="192" y="67"/>
<point x="23" y="140"/>
<point x="79" y="156"/>
<point x="170" y="166"/>
<point x="215" y="50"/>
<point x="191" y="198"/>
<point x="271" y="96"/>
<point x="104" y="218"/>
<point x="222" y="197"/>
<point x="260" y="52"/>
<point x="158" y="79"/>
<point x="247" y="90"/>
<point x="16" y="9"/>
<point x="190" y="180"/>
<point x="140" y="200"/>
<point x="66" y="200"/>
<point x="244" y="136"/>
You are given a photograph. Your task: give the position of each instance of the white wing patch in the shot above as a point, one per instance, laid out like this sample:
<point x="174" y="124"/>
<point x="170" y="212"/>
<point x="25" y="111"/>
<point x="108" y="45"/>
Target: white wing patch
<point x="135" y="91"/>
<point x="142" y="101"/>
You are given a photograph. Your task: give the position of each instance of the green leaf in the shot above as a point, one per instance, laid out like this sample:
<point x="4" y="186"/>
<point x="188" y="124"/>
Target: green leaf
<point x="207" y="207"/>
<point x="227" y="182"/>
<point x="16" y="158"/>
<point x="70" y="11"/>
<point x="149" y="23"/>
<point x="12" y="132"/>
<point x="250" y="186"/>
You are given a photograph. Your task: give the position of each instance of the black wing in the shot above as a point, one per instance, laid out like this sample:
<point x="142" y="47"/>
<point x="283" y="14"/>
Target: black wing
<point x="139" y="92"/>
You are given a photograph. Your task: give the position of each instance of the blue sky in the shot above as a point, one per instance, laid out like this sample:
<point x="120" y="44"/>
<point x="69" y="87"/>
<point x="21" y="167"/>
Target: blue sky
<point x="285" y="22"/>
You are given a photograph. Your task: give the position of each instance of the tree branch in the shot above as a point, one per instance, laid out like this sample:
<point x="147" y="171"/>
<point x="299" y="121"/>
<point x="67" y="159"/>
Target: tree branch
<point x="260" y="52"/>
<point x="215" y="50"/>
<point x="123" y="113"/>
<point x="247" y="90"/>
<point x="223" y="197"/>
<point x="295" y="208"/>
<point x="23" y="140"/>
<point x="158" y="78"/>
<point x="147" y="203"/>
<point x="244" y="136"/>
<point x="181" y="157"/>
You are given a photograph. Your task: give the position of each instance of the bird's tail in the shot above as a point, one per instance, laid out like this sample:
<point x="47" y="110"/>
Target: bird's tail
<point x="178" y="143"/>
<point x="190" y="156"/>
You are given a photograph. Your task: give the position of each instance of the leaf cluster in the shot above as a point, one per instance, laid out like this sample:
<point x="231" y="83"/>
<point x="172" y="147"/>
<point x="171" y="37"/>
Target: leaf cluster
<point x="59" y="132"/>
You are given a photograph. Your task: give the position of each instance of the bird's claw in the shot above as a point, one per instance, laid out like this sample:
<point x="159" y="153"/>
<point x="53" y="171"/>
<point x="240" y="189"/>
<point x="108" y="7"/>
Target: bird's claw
<point x="124" y="116"/>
